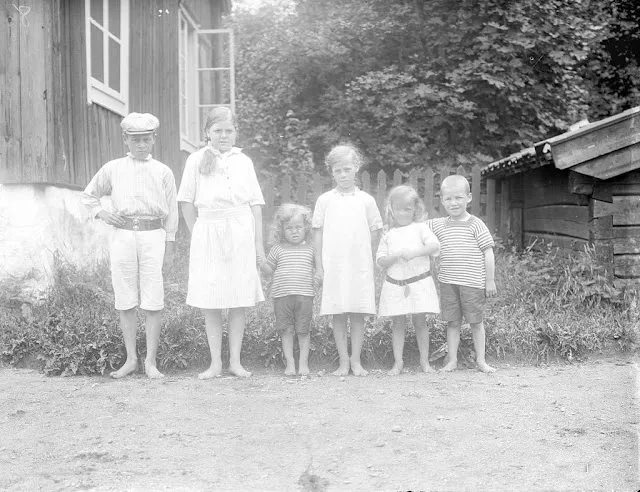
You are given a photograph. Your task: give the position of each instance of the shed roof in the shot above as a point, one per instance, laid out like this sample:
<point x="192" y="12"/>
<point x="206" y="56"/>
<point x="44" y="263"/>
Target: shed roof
<point x="602" y="149"/>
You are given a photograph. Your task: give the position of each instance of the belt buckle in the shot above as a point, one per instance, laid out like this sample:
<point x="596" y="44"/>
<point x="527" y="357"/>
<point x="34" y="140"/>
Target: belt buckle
<point x="136" y="223"/>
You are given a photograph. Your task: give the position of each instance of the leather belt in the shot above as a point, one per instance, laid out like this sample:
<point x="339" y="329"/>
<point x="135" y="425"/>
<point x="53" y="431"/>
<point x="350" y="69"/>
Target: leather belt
<point x="410" y="280"/>
<point x="138" y="224"/>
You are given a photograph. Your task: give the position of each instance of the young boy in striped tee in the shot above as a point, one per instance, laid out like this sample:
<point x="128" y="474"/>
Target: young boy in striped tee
<point x="466" y="272"/>
<point x="292" y="261"/>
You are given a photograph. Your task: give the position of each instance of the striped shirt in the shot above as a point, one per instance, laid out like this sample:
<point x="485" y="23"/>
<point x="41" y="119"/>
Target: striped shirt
<point x="462" y="246"/>
<point x="142" y="188"/>
<point x="293" y="269"/>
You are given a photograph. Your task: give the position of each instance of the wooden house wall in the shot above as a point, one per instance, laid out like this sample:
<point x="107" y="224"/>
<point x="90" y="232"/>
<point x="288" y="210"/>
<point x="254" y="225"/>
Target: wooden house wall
<point x="48" y="131"/>
<point x="551" y="212"/>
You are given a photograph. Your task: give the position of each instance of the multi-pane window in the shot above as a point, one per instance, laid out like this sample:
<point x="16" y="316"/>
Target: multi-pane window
<point x="206" y="77"/>
<point x="107" y="39"/>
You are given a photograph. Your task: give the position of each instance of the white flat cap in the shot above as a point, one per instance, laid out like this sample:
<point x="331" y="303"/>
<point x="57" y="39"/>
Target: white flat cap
<point x="139" y="123"/>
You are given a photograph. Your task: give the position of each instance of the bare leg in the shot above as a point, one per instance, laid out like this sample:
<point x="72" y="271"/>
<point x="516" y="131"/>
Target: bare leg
<point x="153" y="326"/>
<point x="477" y="331"/>
<point x="340" y="336"/>
<point x="287" y="350"/>
<point x="213" y="327"/>
<point x="398" y="327"/>
<point x="236" y="332"/>
<point x="304" y="340"/>
<point x="453" y="340"/>
<point x="129" y="326"/>
<point x="357" y="338"/>
<point x="422" y="336"/>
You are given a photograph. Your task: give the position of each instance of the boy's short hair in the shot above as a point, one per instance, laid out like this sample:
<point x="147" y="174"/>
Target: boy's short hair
<point x="456" y="180"/>
<point x="139" y="124"/>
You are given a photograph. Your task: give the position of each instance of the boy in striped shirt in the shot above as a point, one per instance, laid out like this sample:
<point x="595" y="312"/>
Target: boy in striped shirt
<point x="292" y="261"/>
<point x="466" y="272"/>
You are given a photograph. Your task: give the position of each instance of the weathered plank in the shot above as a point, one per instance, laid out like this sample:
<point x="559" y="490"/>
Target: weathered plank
<point x="627" y="271"/>
<point x="516" y="227"/>
<point x="622" y="232"/>
<point x="626" y="245"/>
<point x="491" y="204"/>
<point x="614" y="164"/>
<point x="505" y="205"/>
<point x="413" y="179"/>
<point x="10" y="117"/>
<point x="429" y="193"/>
<point x="601" y="228"/>
<point x="476" y="187"/>
<point x="549" y="186"/>
<point x="397" y="177"/>
<point x="269" y="195"/>
<point x="573" y="213"/>
<point x="381" y="193"/>
<point x="580" y="184"/>
<point x="365" y="178"/>
<point x="557" y="226"/>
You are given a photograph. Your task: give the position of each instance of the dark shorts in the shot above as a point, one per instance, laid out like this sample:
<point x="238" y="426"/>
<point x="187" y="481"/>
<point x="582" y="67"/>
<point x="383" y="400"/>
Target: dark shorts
<point x="293" y="313"/>
<point x="457" y="301"/>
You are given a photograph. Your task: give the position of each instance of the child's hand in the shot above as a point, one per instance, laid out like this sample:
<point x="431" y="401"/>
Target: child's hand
<point x="407" y="254"/>
<point x="490" y="289"/>
<point x="317" y="278"/>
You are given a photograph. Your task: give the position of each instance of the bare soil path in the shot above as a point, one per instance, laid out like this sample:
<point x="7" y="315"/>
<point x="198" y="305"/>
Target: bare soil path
<point x="568" y="427"/>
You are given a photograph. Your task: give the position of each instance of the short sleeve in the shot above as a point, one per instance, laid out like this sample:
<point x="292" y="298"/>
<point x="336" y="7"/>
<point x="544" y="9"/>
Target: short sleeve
<point x="373" y="214"/>
<point x="383" y="247"/>
<point x="317" y="222"/>
<point x="188" y="183"/>
<point x="255" y="193"/>
<point x="485" y="241"/>
<point x="272" y="257"/>
<point x="428" y="237"/>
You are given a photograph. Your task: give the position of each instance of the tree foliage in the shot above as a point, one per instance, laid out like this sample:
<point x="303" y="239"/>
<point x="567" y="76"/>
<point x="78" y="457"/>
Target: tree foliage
<point x="413" y="82"/>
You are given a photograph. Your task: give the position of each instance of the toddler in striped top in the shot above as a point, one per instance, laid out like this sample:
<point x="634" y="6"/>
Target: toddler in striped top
<point x="291" y="260"/>
<point x="466" y="272"/>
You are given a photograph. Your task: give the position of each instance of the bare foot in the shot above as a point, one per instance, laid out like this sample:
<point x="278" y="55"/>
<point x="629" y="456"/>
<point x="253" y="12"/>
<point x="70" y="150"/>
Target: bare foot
<point x="484" y="367"/>
<point x="357" y="369"/>
<point x="210" y="373"/>
<point x="452" y="365"/>
<point x="343" y="370"/>
<point x="128" y="367"/>
<point x="238" y="370"/>
<point x="290" y="370"/>
<point x="304" y="370"/>
<point x="152" y="371"/>
<point x="396" y="369"/>
<point x="426" y="367"/>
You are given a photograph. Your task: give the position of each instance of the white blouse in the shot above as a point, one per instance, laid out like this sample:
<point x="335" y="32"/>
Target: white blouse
<point x="234" y="182"/>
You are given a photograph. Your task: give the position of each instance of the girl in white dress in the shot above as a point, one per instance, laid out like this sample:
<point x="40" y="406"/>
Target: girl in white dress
<point x="347" y="225"/>
<point x="222" y="205"/>
<point x="408" y="288"/>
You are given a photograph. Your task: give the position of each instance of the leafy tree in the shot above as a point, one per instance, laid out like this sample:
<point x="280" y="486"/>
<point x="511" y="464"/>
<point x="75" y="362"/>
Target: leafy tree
<point x="412" y="82"/>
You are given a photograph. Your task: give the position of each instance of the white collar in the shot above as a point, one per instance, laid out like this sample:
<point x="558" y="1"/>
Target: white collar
<point x="148" y="158"/>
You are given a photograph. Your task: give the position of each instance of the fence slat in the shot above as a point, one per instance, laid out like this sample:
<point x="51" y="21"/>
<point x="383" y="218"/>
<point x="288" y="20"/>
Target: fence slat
<point x="285" y="192"/>
<point x="318" y="185"/>
<point x="366" y="181"/>
<point x="303" y="184"/>
<point x="429" y="192"/>
<point x="491" y="205"/>
<point x="413" y="179"/>
<point x="460" y="170"/>
<point x="268" y="197"/>
<point x="382" y="189"/>
<point x="397" y="177"/>
<point x="475" y="190"/>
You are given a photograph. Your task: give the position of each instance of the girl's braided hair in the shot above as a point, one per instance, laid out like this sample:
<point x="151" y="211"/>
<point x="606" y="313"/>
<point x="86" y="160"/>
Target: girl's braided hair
<point x="285" y="213"/>
<point x="208" y="164"/>
<point x="343" y="152"/>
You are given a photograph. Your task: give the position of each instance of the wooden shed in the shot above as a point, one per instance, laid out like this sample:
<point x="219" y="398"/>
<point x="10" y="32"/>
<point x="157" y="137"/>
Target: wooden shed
<point x="71" y="69"/>
<point x="581" y="187"/>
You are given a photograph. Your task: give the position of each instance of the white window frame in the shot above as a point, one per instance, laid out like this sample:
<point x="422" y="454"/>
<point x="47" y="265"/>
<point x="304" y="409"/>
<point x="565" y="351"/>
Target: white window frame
<point x="189" y="48"/>
<point x="99" y="92"/>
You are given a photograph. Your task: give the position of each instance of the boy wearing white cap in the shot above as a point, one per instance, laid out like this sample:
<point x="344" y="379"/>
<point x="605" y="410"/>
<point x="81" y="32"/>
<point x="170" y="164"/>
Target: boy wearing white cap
<point x="145" y="221"/>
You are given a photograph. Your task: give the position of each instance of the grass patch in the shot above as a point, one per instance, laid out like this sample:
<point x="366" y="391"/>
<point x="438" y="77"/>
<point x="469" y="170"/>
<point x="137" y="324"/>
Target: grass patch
<point x="548" y="307"/>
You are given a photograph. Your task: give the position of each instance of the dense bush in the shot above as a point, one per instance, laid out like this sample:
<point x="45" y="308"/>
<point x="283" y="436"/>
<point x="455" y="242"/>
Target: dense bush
<point x="549" y="306"/>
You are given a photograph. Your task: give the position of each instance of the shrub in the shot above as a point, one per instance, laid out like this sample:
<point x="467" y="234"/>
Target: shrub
<point x="548" y="306"/>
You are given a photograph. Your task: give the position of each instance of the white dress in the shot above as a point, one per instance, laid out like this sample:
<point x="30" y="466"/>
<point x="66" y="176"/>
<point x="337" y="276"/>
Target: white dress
<point x="422" y="295"/>
<point x="222" y="259"/>
<point x="347" y="221"/>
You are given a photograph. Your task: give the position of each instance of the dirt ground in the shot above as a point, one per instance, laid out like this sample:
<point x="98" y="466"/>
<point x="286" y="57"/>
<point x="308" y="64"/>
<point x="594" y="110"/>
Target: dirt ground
<point x="562" y="427"/>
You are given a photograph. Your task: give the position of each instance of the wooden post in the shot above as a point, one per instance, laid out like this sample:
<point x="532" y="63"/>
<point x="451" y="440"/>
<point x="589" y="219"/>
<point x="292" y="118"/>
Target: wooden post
<point x="505" y="205"/>
<point x="285" y="192"/>
<point x="382" y="189"/>
<point x="397" y="177"/>
<point x="366" y="181"/>
<point x="475" y="190"/>
<point x="303" y="184"/>
<point x="429" y="192"/>
<point x="601" y="233"/>
<point x="516" y="227"/>
<point x="491" y="205"/>
<point x="413" y="179"/>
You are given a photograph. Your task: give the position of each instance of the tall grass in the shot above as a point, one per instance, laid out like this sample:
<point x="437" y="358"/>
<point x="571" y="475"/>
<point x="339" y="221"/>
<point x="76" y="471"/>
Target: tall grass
<point x="549" y="306"/>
